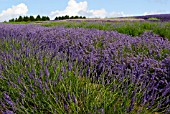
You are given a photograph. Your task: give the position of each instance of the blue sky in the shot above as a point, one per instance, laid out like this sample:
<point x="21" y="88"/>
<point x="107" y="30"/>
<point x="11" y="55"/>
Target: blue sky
<point x="89" y="8"/>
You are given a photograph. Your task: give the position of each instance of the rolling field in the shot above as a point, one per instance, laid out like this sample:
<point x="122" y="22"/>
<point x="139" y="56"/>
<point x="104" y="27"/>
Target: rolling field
<point x="85" y="68"/>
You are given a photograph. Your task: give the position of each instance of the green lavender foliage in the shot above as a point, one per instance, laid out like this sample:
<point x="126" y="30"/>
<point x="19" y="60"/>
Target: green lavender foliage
<point x="130" y="28"/>
<point x="75" y="70"/>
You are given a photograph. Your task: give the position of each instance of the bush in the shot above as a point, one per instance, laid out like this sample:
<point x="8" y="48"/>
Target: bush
<point x="153" y="19"/>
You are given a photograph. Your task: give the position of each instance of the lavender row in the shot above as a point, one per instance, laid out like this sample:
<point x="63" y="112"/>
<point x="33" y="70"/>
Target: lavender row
<point x="103" y="56"/>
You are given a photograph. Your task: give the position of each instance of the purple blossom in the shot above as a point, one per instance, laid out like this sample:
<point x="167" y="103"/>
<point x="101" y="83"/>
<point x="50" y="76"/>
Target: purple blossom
<point x="2" y="104"/>
<point x="7" y="96"/>
<point x="8" y="112"/>
<point x="47" y="72"/>
<point x="66" y="106"/>
<point x="69" y="97"/>
<point x="74" y="99"/>
<point x="105" y="56"/>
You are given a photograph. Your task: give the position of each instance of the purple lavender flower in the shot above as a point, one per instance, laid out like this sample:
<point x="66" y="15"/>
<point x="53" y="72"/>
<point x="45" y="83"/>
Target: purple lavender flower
<point x="47" y="72"/>
<point x="143" y="60"/>
<point x="7" y="96"/>
<point x="2" y="104"/>
<point x="60" y="77"/>
<point x="8" y="112"/>
<point x="9" y="102"/>
<point x="65" y="106"/>
<point x="74" y="99"/>
<point x="69" y="97"/>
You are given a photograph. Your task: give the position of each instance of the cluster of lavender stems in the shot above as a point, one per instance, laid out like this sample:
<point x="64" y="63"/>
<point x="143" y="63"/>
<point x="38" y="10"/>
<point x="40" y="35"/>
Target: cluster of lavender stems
<point x="37" y="65"/>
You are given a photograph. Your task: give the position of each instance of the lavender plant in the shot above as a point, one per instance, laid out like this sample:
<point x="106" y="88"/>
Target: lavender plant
<point x="130" y="28"/>
<point x="76" y="70"/>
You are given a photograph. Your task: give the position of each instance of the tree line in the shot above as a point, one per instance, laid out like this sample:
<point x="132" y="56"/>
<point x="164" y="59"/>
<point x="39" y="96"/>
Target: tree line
<point x="30" y="18"/>
<point x="43" y="18"/>
<point x="68" y="17"/>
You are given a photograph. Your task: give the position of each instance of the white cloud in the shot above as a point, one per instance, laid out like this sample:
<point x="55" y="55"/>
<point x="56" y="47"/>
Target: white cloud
<point x="102" y="13"/>
<point x="81" y="9"/>
<point x="13" y="12"/>
<point x="117" y="14"/>
<point x="72" y="9"/>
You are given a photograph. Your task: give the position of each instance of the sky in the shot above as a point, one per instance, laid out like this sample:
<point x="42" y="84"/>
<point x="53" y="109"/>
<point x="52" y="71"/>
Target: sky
<point x="90" y="8"/>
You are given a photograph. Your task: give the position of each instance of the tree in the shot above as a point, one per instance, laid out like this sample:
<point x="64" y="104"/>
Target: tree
<point x="56" y="18"/>
<point x="44" y="18"/>
<point x="72" y="17"/>
<point x="38" y="18"/>
<point x="32" y="18"/>
<point x="26" y="18"/>
<point x="60" y="18"/>
<point x="12" y="20"/>
<point x="66" y="17"/>
<point x="16" y="20"/>
<point x="20" y="19"/>
<point x="84" y="17"/>
<point x="76" y="17"/>
<point x="63" y="17"/>
<point x="48" y="18"/>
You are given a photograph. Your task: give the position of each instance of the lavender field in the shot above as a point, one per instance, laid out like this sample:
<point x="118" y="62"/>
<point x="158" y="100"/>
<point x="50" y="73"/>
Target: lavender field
<point x="58" y="70"/>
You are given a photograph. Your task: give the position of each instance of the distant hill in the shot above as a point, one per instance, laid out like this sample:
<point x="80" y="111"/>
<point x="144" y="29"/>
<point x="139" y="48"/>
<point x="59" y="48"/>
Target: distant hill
<point x="162" y="17"/>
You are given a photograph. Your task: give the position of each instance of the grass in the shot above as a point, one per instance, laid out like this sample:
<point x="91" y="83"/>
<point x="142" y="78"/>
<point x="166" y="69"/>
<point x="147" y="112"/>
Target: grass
<point x="153" y="19"/>
<point x="17" y="22"/>
<point x="28" y="22"/>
